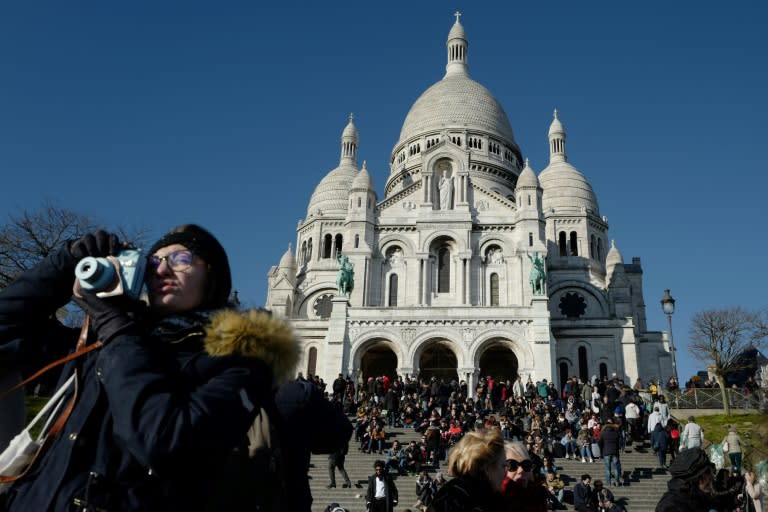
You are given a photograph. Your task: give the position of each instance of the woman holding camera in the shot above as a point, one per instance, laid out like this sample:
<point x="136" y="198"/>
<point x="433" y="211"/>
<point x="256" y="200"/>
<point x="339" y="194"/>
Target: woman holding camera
<point x="168" y="397"/>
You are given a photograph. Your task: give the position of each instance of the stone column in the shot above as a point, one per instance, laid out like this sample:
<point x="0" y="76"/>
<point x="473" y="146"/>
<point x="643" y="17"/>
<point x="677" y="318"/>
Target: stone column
<point x="335" y="358"/>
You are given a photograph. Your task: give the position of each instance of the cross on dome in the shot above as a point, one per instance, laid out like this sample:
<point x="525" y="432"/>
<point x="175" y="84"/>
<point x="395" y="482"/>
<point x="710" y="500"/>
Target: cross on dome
<point x="458" y="15"/>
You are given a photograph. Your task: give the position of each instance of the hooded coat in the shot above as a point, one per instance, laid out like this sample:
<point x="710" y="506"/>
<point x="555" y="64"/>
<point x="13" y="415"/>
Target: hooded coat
<point x="157" y="411"/>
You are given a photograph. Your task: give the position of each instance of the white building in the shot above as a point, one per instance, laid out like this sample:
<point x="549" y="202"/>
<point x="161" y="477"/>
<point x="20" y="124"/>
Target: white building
<point x="443" y="264"/>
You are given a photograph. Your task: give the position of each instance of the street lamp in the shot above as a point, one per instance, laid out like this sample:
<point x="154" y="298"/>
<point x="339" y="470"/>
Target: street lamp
<point x="668" y="306"/>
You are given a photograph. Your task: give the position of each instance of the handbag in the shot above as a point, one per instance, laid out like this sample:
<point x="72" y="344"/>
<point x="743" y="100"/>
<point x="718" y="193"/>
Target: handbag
<point x="726" y="447"/>
<point x="21" y="453"/>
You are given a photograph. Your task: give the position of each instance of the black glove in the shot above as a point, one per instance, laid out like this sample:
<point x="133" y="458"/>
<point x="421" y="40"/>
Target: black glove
<point x="98" y="244"/>
<point x="111" y="316"/>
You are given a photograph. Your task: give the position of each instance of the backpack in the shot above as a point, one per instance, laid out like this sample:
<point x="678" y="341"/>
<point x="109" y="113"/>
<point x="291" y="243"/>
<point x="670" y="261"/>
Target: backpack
<point x="252" y="478"/>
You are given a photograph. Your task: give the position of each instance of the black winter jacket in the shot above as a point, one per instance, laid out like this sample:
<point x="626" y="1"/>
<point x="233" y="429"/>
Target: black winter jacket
<point x="155" y="417"/>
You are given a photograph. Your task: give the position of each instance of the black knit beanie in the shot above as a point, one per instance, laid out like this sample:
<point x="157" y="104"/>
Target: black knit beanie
<point x="204" y="245"/>
<point x="690" y="464"/>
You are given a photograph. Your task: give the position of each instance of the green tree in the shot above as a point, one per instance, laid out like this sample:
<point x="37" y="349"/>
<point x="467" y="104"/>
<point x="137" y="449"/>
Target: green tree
<point x="719" y="336"/>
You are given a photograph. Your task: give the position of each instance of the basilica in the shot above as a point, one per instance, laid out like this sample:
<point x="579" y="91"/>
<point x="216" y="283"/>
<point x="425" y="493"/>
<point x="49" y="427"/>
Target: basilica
<point x="471" y="264"/>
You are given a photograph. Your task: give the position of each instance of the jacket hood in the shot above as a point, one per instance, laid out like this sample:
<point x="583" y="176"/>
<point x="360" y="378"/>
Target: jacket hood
<point x="254" y="334"/>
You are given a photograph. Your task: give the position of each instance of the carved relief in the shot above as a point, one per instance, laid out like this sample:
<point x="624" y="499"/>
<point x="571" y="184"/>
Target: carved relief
<point x="408" y="334"/>
<point x="469" y="335"/>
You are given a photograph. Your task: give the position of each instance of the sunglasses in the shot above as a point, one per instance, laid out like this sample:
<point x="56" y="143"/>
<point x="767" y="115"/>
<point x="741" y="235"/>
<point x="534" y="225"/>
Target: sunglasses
<point x="176" y="260"/>
<point x="512" y="465"/>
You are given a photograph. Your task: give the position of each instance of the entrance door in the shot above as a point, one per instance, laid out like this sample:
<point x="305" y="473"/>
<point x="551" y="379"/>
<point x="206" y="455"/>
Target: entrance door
<point x="438" y="360"/>
<point x="378" y="360"/>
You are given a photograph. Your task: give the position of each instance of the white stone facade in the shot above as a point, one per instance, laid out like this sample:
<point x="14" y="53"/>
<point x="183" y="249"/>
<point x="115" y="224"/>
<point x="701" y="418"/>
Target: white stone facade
<point x="443" y="272"/>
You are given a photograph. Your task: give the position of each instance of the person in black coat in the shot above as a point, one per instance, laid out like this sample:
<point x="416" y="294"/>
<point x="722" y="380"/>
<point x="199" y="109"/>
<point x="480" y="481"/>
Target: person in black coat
<point x="171" y="393"/>
<point x="381" y="495"/>
<point x="583" y="497"/>
<point x="660" y="443"/>
<point x="610" y="446"/>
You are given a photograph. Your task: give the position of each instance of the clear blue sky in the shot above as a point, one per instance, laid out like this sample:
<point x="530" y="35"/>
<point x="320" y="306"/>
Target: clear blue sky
<point x="229" y="113"/>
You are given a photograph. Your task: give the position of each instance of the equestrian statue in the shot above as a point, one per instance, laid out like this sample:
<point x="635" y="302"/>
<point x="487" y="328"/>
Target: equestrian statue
<point x="345" y="280"/>
<point x="538" y="276"/>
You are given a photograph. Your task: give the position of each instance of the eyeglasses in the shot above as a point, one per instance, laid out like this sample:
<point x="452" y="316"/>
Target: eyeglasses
<point x="512" y="465"/>
<point x="176" y="260"/>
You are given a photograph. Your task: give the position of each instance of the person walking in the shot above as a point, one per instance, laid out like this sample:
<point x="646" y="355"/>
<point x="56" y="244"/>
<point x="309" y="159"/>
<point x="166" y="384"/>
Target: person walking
<point x="732" y="447"/>
<point x="381" y="495"/>
<point x="693" y="434"/>
<point x="610" y="446"/>
<point x="336" y="461"/>
<point x="659" y="444"/>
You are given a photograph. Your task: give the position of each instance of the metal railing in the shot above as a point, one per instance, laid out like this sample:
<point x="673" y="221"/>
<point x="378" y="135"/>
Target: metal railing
<point x="712" y="398"/>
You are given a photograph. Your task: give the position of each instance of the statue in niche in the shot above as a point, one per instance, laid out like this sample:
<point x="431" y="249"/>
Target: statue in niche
<point x="446" y="190"/>
<point x="495" y="255"/>
<point x="538" y="276"/>
<point x="395" y="256"/>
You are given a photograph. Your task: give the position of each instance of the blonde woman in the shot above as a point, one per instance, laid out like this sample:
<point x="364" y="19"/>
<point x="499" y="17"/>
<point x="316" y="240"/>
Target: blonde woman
<point x="478" y="466"/>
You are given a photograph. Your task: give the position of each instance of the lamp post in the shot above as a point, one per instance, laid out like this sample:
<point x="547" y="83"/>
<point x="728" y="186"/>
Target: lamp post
<point x="668" y="306"/>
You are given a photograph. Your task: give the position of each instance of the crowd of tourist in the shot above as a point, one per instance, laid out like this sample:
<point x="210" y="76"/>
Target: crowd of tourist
<point x="585" y="421"/>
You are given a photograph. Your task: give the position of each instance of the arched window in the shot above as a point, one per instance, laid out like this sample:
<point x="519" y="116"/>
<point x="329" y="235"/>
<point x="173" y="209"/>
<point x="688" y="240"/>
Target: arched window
<point x="530" y="239"/>
<point x="327" y="246"/>
<point x="357" y="241"/>
<point x="562" y="244"/>
<point x="303" y="254"/>
<point x="359" y="202"/>
<point x="494" y="289"/>
<point x="392" y="291"/>
<point x="583" y="366"/>
<point x="312" y="361"/>
<point x="599" y="249"/>
<point x="309" y="250"/>
<point x="563" y="374"/>
<point x="592" y="247"/>
<point x="603" y="370"/>
<point x="529" y="199"/>
<point x="338" y="243"/>
<point x="574" y="245"/>
<point x="444" y="270"/>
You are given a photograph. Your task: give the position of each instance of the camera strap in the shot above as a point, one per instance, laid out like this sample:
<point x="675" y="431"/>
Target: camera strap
<point x="80" y="349"/>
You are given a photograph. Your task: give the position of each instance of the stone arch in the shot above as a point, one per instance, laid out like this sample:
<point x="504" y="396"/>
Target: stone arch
<point x="437" y="355"/>
<point x="376" y="356"/>
<point x="510" y="338"/>
<point x="500" y="357"/>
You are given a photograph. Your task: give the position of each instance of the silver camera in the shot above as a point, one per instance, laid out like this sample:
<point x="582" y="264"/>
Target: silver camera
<point x="114" y="275"/>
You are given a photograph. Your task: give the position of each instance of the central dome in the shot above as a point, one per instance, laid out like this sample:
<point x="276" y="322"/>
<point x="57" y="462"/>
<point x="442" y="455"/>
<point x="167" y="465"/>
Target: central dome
<point x="457" y="101"/>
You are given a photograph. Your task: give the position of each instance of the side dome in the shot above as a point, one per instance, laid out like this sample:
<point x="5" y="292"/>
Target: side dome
<point x="363" y="179"/>
<point x="566" y="189"/>
<point x="288" y="261"/>
<point x="527" y="178"/>
<point x="332" y="193"/>
<point x="457" y="101"/>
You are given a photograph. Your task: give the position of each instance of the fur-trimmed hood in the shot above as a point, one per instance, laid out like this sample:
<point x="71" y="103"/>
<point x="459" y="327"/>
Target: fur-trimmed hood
<point x="254" y="333"/>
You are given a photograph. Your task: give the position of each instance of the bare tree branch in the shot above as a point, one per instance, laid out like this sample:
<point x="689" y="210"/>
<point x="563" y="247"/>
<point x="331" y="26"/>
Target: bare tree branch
<point x="721" y="336"/>
<point x="30" y="235"/>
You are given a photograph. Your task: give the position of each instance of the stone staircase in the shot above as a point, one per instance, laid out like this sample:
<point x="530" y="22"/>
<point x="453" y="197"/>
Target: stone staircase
<point x="642" y="489"/>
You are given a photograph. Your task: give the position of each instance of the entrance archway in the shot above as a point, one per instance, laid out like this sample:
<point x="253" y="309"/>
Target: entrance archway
<point x="499" y="361"/>
<point x="379" y="359"/>
<point x="438" y="360"/>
